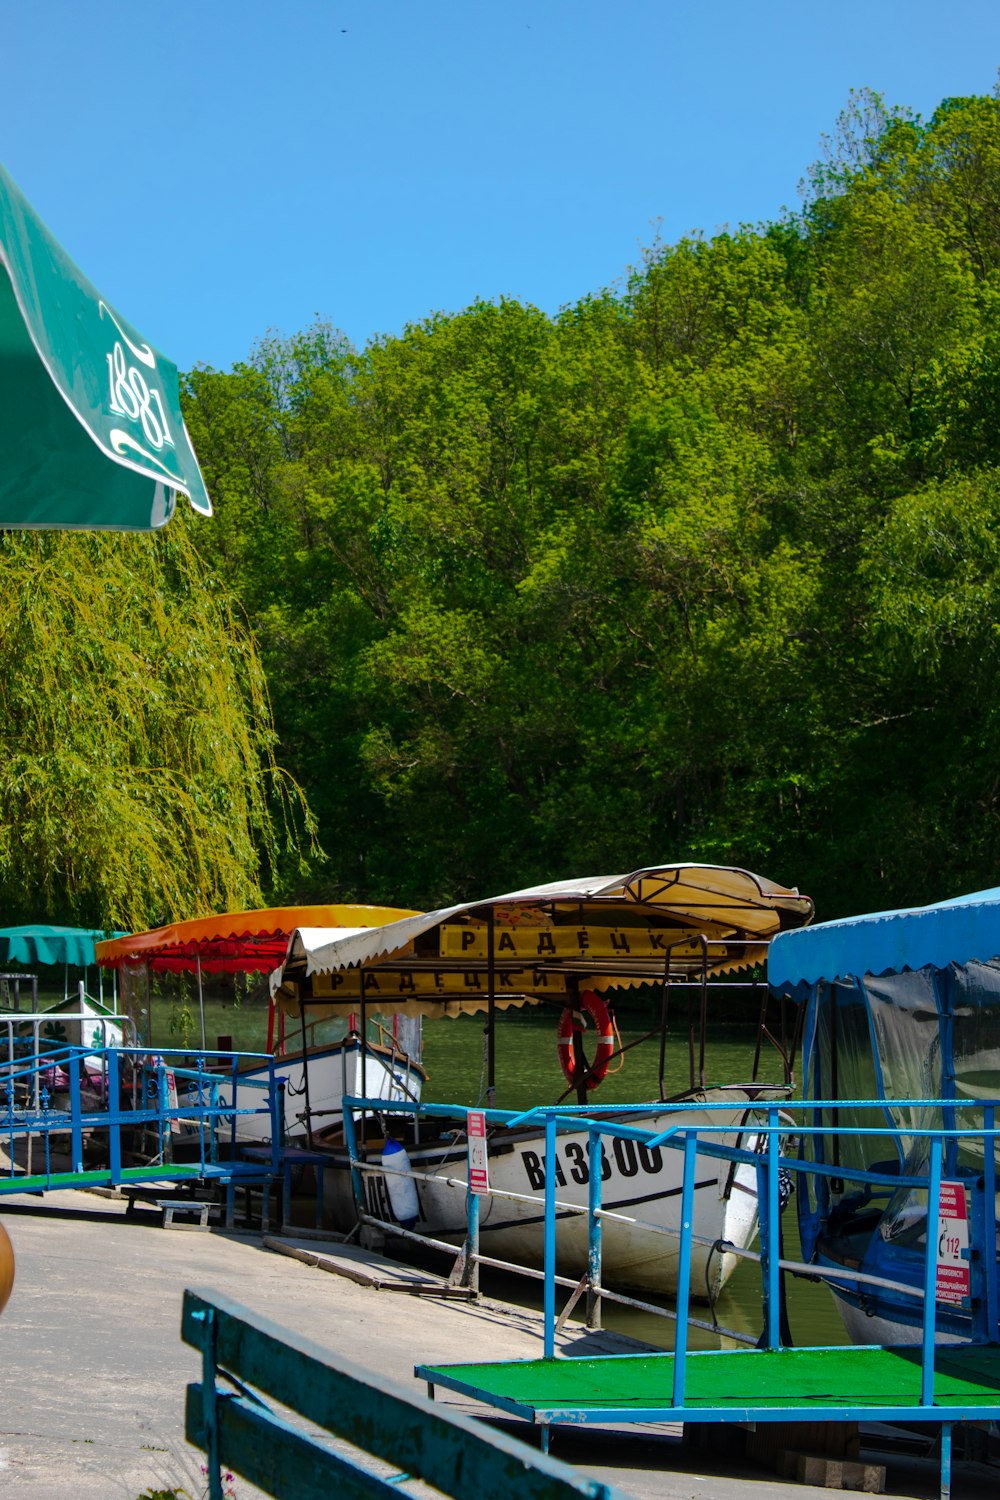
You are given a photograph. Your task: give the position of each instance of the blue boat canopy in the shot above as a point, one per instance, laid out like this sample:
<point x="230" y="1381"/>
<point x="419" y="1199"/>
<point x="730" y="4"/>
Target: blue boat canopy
<point x="958" y="931"/>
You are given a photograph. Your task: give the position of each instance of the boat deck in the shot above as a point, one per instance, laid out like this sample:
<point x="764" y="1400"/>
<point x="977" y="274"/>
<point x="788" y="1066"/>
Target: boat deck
<point x="741" y="1385"/>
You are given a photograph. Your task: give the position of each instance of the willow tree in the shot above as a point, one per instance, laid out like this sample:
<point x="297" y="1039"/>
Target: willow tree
<point x="137" y="774"/>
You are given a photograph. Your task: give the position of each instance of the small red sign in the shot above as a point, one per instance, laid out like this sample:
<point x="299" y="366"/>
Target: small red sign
<point x="479" y="1175"/>
<point x="953" y="1284"/>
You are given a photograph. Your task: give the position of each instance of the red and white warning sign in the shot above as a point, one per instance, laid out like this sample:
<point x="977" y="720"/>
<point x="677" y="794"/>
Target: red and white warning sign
<point x="479" y="1174"/>
<point x="953" y="1244"/>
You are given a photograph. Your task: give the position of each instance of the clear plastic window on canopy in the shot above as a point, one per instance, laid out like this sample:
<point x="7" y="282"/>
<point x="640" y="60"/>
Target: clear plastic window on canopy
<point x="906" y="1023"/>
<point x="842" y="1066"/>
<point x="916" y="1035"/>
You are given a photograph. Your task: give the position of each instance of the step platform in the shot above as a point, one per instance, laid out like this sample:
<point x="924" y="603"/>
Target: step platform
<point x="873" y="1384"/>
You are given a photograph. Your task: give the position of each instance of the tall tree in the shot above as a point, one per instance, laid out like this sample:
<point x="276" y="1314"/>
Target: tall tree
<point x="137" y="781"/>
<point x="653" y="578"/>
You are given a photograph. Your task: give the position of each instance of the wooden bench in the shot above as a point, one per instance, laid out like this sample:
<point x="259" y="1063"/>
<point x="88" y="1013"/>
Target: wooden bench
<point x="461" y="1457"/>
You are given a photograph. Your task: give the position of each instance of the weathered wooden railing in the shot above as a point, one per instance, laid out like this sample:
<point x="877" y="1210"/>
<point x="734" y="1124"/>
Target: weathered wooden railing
<point x="460" y="1457"/>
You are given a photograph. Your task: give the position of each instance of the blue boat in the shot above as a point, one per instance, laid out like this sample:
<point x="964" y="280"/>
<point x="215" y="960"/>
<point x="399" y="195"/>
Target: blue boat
<point x="902" y="1009"/>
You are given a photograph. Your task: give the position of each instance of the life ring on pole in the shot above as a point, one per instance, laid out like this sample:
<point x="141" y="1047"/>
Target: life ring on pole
<point x="574" y="1020"/>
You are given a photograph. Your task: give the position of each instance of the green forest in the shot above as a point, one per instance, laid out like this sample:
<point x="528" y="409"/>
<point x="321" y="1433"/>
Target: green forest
<point x="707" y="566"/>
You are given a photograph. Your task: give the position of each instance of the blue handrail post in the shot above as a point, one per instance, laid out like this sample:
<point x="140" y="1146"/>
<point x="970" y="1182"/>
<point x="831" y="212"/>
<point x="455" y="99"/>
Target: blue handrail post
<point x="276" y="1099"/>
<point x="162" y="1105"/>
<point x="75" y="1125"/>
<point x="214" y="1115"/>
<point x="930" y="1275"/>
<point x="351" y="1142"/>
<point x="945" y="1488"/>
<point x="763" y="1229"/>
<point x="114" y="1118"/>
<point x="771" y="1246"/>
<point x="9" y="1091"/>
<point x="470" y="1277"/>
<point x="232" y="1117"/>
<point x="202" y="1102"/>
<point x="549" y="1310"/>
<point x="990" y="1220"/>
<point x="46" y="1133"/>
<point x="684" y="1265"/>
<point x="596" y="1159"/>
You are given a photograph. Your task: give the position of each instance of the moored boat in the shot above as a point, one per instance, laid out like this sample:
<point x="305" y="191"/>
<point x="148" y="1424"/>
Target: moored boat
<point x="641" y="1195"/>
<point x="316" y="1071"/>
<point x="573" y="945"/>
<point x="318" y="1079"/>
<point x="903" y="1010"/>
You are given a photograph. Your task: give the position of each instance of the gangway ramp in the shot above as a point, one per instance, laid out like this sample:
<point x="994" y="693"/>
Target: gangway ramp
<point x="929" y="1384"/>
<point x="119" y="1117"/>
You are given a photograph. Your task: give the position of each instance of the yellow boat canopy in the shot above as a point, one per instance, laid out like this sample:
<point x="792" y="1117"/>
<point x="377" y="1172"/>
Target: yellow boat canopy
<point x="545" y="943"/>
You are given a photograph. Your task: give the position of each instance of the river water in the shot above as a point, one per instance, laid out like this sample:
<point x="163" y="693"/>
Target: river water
<point x="528" y="1073"/>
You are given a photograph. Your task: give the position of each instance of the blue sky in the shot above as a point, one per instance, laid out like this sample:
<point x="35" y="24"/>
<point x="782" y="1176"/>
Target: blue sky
<point x="219" y="169"/>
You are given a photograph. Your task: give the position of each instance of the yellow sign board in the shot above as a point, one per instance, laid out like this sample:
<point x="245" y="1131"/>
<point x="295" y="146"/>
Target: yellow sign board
<point x="382" y="984"/>
<point x="538" y="944"/>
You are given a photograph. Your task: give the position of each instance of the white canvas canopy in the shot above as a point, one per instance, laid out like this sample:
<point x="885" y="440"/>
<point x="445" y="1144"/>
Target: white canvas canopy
<point x="544" y="942"/>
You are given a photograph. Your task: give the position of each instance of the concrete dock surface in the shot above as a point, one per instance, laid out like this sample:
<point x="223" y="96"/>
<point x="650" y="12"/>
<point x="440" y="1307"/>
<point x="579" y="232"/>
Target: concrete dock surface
<point x="95" y="1371"/>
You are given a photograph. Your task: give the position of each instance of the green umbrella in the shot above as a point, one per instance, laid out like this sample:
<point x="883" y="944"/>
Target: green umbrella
<point x="91" y="432"/>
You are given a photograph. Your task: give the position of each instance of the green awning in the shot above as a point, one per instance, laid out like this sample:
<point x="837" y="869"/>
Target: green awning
<point x="50" y="945"/>
<point x="91" y="432"/>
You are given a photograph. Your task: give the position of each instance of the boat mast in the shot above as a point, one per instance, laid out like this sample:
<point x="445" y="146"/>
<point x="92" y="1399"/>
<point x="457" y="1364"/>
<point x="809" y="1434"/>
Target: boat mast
<point x="305" y="1071"/>
<point x="491" y="1011"/>
<point x="664" y="1011"/>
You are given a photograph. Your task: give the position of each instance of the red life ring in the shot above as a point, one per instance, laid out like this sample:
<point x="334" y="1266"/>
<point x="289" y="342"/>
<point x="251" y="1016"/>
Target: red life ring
<point x="576" y="1021"/>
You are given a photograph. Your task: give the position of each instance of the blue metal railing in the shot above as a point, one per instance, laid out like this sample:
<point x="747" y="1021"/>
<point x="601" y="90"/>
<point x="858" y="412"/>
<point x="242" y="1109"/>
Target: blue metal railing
<point x="575" y="1118"/>
<point x="772" y="1125"/>
<point x="121" y="1090"/>
<point x="769" y="1165"/>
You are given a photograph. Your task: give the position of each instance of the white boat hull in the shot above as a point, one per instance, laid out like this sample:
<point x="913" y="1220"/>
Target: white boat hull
<point x="870" y="1328"/>
<point x="642" y="1185"/>
<point x="333" y="1071"/>
<point x="872" y="1315"/>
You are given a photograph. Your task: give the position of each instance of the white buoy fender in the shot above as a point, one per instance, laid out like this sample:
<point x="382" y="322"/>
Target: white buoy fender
<point x="402" y="1191"/>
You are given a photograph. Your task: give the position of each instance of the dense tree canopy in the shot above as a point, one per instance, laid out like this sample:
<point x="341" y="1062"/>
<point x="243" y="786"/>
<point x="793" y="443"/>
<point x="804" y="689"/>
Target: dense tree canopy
<point x="705" y="567"/>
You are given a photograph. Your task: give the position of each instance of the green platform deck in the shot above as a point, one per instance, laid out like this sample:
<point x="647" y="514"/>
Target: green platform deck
<point x="227" y="1176"/>
<point x="38" y="1182"/>
<point x="840" y="1384"/>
